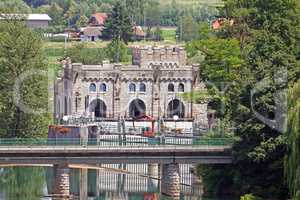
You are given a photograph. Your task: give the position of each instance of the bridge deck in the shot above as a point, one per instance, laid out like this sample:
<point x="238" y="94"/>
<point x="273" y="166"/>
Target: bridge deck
<point x="115" y="154"/>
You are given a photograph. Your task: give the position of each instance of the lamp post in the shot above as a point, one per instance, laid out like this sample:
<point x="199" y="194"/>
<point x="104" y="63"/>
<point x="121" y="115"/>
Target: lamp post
<point x="175" y="118"/>
<point x="65" y="119"/>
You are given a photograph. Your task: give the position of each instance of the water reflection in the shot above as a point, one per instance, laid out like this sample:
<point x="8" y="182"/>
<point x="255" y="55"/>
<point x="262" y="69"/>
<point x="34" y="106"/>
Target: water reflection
<point x="22" y="183"/>
<point x="105" y="182"/>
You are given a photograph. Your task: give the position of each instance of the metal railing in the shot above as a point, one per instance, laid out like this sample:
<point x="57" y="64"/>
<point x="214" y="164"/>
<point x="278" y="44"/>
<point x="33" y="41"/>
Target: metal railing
<point x="115" y="142"/>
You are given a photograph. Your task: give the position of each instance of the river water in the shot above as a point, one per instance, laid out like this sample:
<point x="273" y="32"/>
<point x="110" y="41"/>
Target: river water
<point x="107" y="182"/>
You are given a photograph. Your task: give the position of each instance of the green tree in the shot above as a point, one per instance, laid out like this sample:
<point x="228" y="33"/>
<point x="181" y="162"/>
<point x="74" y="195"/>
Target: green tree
<point x="21" y="52"/>
<point x="136" y="10"/>
<point x="105" y="7"/>
<point x="82" y="21"/>
<point x="187" y="28"/>
<point x="118" y="25"/>
<point x="56" y="13"/>
<point x="72" y="12"/>
<point x="14" y="6"/>
<point x="292" y="160"/>
<point x="22" y="183"/>
<point x="117" y="51"/>
<point x="158" y="35"/>
<point x="267" y="33"/>
<point x="152" y="14"/>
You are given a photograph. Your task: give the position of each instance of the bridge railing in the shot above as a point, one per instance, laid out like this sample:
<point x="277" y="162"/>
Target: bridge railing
<point x="114" y="142"/>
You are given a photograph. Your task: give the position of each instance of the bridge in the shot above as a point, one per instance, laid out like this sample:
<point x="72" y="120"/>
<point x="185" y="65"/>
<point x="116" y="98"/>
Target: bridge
<point x="108" y="151"/>
<point x="168" y="153"/>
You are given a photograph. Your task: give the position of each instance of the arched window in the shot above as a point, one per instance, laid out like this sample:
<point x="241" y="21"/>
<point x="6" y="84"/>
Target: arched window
<point x="132" y="87"/>
<point x="142" y="87"/>
<point x="171" y="87"/>
<point x="181" y="87"/>
<point x="93" y="87"/>
<point x="103" y="87"/>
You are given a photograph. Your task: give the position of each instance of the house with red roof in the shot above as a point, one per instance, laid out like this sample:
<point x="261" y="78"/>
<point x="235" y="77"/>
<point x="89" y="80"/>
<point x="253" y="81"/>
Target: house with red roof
<point x="95" y="27"/>
<point x="217" y="24"/>
<point x="98" y="19"/>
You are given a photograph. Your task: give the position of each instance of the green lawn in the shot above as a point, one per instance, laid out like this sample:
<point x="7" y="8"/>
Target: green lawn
<point x="169" y="34"/>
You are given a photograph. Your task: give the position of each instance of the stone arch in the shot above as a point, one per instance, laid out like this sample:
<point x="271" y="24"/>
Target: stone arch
<point x="176" y="107"/>
<point x="99" y="108"/>
<point x="137" y="108"/>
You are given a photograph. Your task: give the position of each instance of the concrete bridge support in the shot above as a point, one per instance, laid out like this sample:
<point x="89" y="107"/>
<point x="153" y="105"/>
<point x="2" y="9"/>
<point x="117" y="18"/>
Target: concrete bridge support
<point x="170" y="181"/>
<point x="153" y="170"/>
<point x="61" y="180"/>
<point x="153" y="173"/>
<point x="83" y="182"/>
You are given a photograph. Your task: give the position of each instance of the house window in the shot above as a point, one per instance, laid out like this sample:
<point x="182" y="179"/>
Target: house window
<point x="103" y="87"/>
<point x="142" y="87"/>
<point x="171" y="87"/>
<point x="132" y="87"/>
<point x="181" y="87"/>
<point x="93" y="87"/>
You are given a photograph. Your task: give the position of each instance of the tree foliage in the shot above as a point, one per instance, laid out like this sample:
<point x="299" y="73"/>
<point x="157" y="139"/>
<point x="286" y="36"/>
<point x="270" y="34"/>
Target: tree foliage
<point x="265" y="35"/>
<point x="21" y="52"/>
<point x="118" y="25"/>
<point x="292" y="160"/>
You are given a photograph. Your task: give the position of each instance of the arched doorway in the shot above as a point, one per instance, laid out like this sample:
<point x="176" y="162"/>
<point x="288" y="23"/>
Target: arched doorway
<point x="137" y="108"/>
<point x="98" y="107"/>
<point x="176" y="107"/>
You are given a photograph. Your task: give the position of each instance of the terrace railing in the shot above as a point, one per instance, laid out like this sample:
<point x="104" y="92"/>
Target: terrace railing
<point x="105" y="142"/>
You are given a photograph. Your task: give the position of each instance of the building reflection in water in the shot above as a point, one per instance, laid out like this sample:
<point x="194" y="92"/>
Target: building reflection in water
<point x="121" y="182"/>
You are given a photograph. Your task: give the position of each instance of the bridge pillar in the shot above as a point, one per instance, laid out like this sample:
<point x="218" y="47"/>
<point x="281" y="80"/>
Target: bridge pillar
<point x="83" y="184"/>
<point x="61" y="180"/>
<point x="98" y="179"/>
<point x="153" y="173"/>
<point x="170" y="181"/>
<point x="84" y="135"/>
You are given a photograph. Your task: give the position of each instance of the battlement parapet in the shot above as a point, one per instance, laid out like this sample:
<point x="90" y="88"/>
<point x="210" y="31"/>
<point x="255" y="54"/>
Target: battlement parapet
<point x="143" y="56"/>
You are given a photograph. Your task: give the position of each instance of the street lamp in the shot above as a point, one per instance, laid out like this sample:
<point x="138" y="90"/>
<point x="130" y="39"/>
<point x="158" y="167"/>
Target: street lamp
<point x="65" y="119"/>
<point x="175" y="118"/>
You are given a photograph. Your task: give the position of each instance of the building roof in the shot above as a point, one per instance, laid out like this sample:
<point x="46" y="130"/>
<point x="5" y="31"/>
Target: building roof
<point x="30" y="17"/>
<point x="92" y="31"/>
<point x="41" y="17"/>
<point x="138" y="31"/>
<point x="98" y="19"/>
<point x="217" y="24"/>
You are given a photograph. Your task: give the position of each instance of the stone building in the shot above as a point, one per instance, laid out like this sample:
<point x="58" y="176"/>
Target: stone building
<point x="152" y="85"/>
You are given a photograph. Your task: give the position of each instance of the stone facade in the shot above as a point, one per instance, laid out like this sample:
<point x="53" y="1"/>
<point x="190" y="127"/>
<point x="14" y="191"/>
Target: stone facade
<point x="151" y="85"/>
